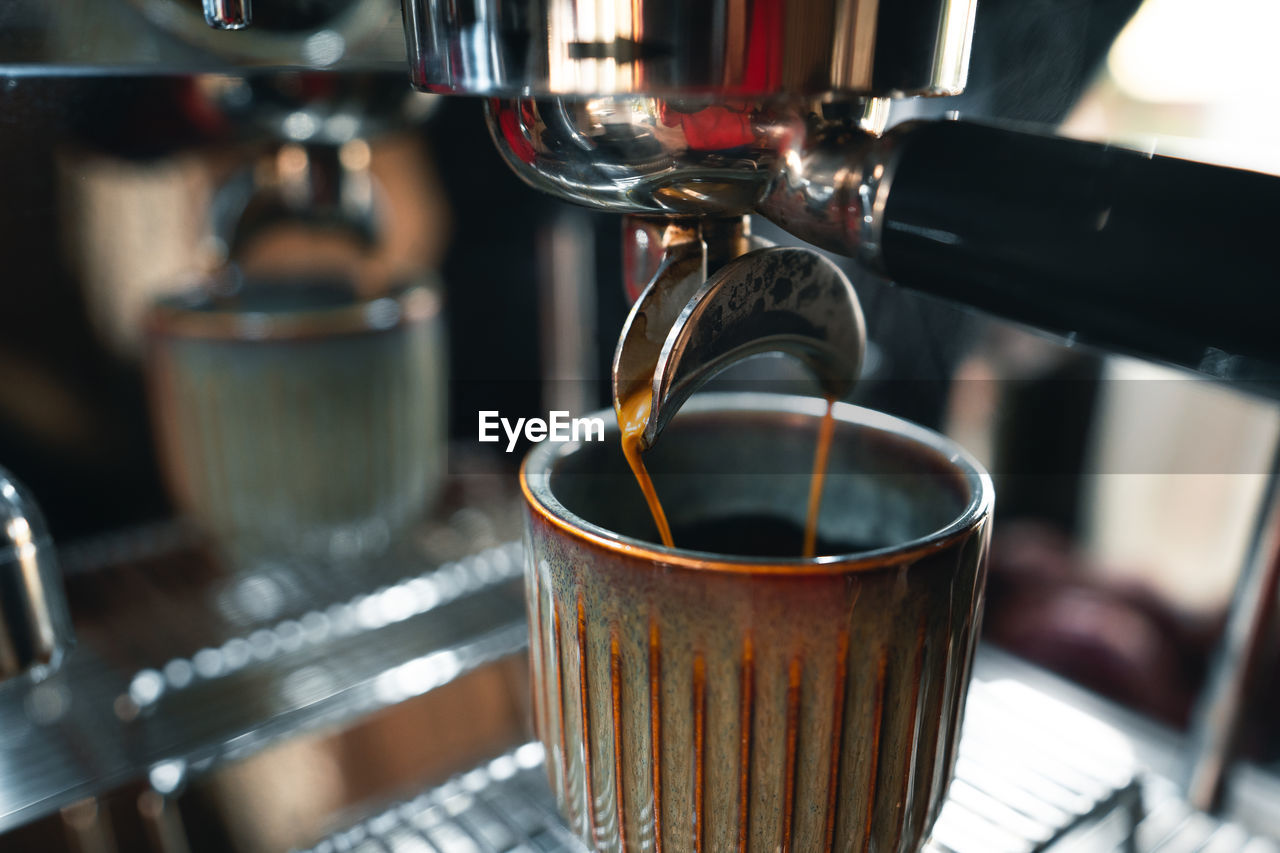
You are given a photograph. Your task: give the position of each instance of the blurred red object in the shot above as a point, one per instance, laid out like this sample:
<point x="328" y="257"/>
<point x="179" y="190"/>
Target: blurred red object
<point x="1049" y="603"/>
<point x="711" y="128"/>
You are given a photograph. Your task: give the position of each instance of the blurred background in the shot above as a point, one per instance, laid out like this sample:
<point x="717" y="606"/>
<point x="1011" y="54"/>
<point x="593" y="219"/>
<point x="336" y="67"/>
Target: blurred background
<point x="134" y="166"/>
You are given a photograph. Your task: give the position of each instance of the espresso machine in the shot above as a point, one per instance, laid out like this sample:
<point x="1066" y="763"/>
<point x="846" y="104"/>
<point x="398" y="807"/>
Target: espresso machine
<point x="380" y="705"/>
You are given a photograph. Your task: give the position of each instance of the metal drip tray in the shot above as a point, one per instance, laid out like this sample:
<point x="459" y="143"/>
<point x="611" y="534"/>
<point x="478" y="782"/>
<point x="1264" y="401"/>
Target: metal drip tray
<point x="1033" y="775"/>
<point x="190" y="668"/>
<point x="234" y="729"/>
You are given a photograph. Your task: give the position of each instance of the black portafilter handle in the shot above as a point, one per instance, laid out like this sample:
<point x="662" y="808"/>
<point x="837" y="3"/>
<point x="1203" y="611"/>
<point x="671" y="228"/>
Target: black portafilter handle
<point x="1163" y="258"/>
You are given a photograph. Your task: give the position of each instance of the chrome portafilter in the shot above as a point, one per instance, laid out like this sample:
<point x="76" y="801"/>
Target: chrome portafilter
<point x="686" y="327"/>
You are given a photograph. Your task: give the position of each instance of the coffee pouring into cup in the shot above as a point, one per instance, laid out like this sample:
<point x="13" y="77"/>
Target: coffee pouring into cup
<point x="687" y="327"/>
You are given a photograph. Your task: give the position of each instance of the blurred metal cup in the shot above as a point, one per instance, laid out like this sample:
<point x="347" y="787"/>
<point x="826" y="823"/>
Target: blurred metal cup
<point x="698" y="701"/>
<point x="300" y="418"/>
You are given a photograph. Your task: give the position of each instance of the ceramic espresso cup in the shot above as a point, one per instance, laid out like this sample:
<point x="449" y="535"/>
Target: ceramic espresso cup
<point x="299" y="418"/>
<point x="699" y="701"/>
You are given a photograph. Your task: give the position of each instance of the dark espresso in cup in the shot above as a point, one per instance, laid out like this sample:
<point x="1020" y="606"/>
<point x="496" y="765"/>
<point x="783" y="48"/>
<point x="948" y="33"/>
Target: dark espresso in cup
<point x="731" y="695"/>
<point x="758" y="536"/>
<point x="633" y="417"/>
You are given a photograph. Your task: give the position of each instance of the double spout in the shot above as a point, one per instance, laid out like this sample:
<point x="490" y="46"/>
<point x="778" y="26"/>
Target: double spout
<point x="705" y="309"/>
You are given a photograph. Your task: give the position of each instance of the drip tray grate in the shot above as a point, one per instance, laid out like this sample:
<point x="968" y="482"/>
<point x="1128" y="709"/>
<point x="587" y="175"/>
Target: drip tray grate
<point x="1033" y="774"/>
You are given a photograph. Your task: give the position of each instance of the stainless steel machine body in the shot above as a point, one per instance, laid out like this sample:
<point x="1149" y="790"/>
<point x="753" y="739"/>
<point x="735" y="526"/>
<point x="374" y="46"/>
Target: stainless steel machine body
<point x="663" y="108"/>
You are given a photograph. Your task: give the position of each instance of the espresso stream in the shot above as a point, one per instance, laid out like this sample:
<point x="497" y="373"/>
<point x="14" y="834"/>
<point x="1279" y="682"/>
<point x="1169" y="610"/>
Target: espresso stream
<point x="633" y="417"/>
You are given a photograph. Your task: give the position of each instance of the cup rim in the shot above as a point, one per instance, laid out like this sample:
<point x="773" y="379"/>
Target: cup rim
<point x="535" y="473"/>
<point x="185" y="314"/>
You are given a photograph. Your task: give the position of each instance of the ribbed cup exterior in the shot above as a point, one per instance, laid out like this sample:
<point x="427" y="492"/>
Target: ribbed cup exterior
<point x="720" y="709"/>
<point x="321" y="444"/>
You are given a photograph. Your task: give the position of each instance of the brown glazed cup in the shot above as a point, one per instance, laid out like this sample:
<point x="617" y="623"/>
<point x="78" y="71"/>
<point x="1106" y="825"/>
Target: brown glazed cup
<point x="299" y="418"/>
<point x="693" y="701"/>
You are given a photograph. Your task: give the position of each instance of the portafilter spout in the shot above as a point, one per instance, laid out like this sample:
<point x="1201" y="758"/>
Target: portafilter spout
<point x="687" y="327"/>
